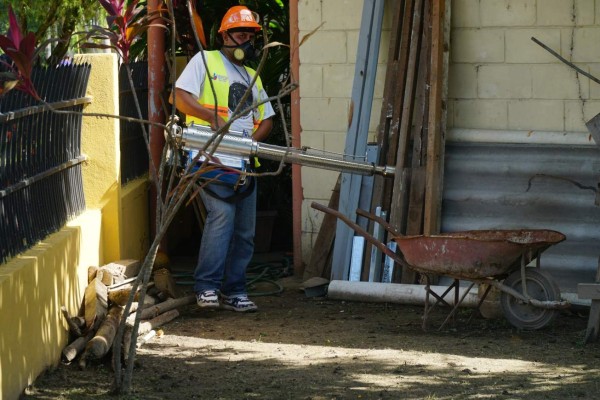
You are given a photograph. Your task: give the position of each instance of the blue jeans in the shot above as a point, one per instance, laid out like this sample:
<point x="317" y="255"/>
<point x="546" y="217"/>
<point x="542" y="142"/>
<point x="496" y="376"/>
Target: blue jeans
<point x="227" y="242"/>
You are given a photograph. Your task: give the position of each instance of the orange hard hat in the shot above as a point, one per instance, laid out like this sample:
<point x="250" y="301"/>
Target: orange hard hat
<point x="240" y="17"/>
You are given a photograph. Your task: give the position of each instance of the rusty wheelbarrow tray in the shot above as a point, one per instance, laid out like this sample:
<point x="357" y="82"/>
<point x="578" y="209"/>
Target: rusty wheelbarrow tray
<point x="497" y="258"/>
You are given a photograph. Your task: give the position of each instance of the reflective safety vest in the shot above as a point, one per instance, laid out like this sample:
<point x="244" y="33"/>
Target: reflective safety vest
<point x="220" y="82"/>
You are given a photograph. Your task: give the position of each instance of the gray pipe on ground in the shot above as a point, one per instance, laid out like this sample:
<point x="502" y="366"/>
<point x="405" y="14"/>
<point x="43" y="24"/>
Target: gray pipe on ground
<point x="395" y="293"/>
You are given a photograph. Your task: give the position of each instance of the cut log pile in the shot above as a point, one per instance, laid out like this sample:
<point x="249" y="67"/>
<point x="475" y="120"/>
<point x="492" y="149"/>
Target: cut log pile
<point x="109" y="287"/>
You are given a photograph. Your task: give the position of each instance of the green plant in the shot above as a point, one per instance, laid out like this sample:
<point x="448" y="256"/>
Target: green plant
<point x="59" y="18"/>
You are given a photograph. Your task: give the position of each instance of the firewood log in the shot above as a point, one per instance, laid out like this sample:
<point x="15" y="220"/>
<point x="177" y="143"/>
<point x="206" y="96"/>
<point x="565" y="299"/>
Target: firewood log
<point x="96" y="301"/>
<point x="146" y="327"/>
<point x="160" y="308"/>
<point x="74" y="328"/>
<point x="112" y="273"/>
<point x="101" y="343"/>
<point x="120" y="297"/>
<point x="79" y="321"/>
<point x="164" y="281"/>
<point x="92" y="271"/>
<point x="155" y="322"/>
<point x="129" y="267"/>
<point x="75" y="347"/>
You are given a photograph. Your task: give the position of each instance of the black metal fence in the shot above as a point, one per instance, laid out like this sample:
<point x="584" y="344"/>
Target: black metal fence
<point x="41" y="184"/>
<point x="134" y="153"/>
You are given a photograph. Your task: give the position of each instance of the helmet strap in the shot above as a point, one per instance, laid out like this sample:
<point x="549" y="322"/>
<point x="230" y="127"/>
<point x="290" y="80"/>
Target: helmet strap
<point x="234" y="41"/>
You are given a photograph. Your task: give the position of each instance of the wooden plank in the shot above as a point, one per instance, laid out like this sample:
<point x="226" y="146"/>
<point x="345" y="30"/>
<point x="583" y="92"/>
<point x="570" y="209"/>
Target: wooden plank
<point x="591" y="333"/>
<point x="588" y="291"/>
<point x="593" y="327"/>
<point x="415" y="210"/>
<point x="436" y="137"/>
<point x="96" y="302"/>
<point x="400" y="93"/>
<point x="414" y="224"/>
<point x="392" y="107"/>
<point x="321" y="252"/>
<point x="419" y="130"/>
<point x="398" y="205"/>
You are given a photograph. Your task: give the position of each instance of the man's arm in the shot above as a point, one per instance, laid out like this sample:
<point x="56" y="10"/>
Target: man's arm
<point x="264" y="128"/>
<point x="188" y="104"/>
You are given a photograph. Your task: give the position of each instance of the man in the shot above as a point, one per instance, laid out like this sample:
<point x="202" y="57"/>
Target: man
<point x="227" y="242"/>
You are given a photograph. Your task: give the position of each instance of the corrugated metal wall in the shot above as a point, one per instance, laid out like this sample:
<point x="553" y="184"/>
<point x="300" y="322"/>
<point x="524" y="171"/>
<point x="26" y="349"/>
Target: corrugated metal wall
<point x="499" y="186"/>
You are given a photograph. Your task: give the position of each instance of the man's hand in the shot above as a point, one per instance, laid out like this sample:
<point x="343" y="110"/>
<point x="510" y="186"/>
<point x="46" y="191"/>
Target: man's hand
<point x="218" y="122"/>
<point x="188" y="104"/>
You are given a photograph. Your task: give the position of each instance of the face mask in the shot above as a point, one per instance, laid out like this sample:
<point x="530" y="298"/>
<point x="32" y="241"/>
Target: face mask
<point x="245" y="51"/>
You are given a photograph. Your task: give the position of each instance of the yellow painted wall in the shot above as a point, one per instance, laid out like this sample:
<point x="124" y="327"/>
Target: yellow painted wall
<point x="35" y="284"/>
<point x="100" y="142"/>
<point x="33" y="287"/>
<point x="135" y="228"/>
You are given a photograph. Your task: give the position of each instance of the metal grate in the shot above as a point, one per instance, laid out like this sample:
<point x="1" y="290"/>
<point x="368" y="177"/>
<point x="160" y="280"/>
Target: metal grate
<point x="134" y="153"/>
<point x="40" y="158"/>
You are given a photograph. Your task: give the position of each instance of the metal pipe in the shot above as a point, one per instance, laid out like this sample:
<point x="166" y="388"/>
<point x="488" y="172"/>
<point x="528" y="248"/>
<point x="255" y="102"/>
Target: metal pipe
<point x="306" y="158"/>
<point x="233" y="143"/>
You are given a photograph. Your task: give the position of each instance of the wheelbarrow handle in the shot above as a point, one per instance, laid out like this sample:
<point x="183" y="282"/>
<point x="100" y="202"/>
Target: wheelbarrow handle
<point x="382" y="247"/>
<point x="388" y="227"/>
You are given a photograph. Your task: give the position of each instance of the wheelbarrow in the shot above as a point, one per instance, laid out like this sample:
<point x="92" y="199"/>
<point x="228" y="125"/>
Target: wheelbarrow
<point x="530" y="299"/>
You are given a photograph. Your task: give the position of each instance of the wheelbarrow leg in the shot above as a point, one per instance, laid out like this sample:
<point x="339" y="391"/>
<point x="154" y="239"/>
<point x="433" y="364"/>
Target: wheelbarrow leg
<point x="483" y="297"/>
<point x="523" y="276"/>
<point x="426" y="312"/>
<point x="438" y="299"/>
<point x="457" y="303"/>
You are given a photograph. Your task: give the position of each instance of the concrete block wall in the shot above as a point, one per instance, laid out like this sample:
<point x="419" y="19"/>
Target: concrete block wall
<point x="500" y="79"/>
<point x="500" y="82"/>
<point x="327" y="62"/>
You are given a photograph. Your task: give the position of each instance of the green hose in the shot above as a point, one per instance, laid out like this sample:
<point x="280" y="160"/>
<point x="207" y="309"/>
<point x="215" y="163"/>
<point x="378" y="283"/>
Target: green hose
<point x="265" y="273"/>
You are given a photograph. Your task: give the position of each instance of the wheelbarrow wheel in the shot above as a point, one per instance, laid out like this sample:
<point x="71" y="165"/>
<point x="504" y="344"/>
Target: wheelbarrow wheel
<point x="540" y="286"/>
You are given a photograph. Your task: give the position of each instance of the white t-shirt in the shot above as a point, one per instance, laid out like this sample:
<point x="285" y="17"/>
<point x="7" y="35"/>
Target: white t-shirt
<point x="192" y="80"/>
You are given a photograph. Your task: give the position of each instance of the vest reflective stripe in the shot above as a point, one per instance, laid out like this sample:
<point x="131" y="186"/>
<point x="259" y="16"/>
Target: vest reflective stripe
<point x="220" y="82"/>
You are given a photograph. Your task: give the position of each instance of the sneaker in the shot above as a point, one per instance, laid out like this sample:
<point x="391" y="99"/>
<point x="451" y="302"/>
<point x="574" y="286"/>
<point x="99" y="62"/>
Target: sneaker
<point x="240" y="303"/>
<point x="207" y="299"/>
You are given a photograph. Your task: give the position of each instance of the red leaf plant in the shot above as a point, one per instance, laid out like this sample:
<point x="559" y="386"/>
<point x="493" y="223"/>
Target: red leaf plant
<point x="124" y="28"/>
<point x="22" y="52"/>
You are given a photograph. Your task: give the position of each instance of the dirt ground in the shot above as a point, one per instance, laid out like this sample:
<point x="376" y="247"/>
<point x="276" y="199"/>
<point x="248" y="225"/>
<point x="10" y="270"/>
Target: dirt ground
<point x="297" y="347"/>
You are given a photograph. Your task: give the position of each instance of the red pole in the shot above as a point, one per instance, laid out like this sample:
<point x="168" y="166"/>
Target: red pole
<point x="156" y="84"/>
<point x="297" y="194"/>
